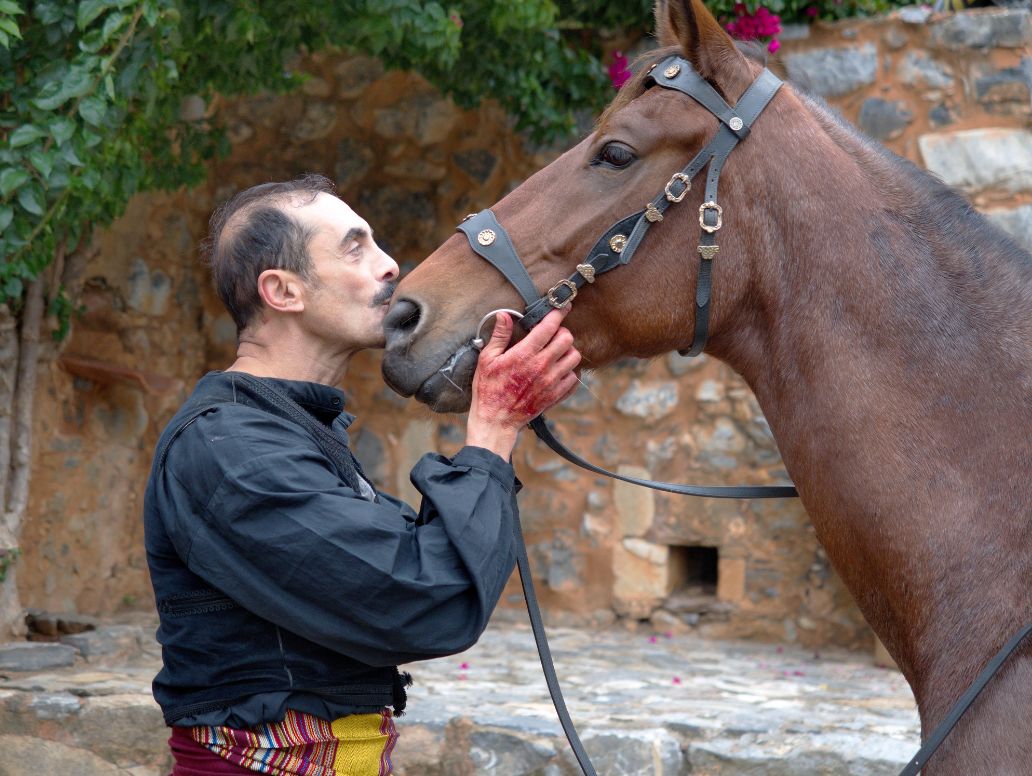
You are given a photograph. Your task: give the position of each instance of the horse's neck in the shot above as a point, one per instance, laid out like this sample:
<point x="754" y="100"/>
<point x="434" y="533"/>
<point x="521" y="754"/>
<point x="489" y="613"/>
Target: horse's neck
<point x="896" y="372"/>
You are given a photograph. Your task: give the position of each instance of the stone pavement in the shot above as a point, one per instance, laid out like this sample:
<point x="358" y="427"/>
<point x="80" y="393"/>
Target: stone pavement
<point x="646" y="704"/>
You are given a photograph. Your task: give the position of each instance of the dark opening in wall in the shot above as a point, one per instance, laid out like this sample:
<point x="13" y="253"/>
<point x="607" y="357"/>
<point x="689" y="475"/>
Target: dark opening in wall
<point x="693" y="570"/>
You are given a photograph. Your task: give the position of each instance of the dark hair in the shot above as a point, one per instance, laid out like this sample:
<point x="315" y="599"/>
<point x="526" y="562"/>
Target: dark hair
<point x="255" y="231"/>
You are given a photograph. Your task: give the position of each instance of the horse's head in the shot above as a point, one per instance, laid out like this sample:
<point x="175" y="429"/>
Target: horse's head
<point x="556" y="216"/>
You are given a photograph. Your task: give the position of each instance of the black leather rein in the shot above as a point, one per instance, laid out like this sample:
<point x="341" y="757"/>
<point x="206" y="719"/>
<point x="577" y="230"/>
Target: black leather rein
<point x="616" y="247"/>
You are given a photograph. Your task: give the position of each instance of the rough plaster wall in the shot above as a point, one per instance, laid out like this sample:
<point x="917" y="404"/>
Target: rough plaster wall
<point x="413" y="164"/>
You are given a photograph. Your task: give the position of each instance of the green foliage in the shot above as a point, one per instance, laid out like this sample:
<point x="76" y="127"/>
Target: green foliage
<point x="8" y="556"/>
<point x="90" y="91"/>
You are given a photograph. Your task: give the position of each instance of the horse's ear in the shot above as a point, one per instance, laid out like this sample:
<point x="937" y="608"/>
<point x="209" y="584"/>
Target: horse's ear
<point x="703" y="42"/>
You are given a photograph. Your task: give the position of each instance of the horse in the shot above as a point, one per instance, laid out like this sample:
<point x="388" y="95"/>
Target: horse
<point x="884" y="326"/>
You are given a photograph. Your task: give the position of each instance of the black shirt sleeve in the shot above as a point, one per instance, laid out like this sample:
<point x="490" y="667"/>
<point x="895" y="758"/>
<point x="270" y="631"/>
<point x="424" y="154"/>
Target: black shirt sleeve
<point x="254" y="508"/>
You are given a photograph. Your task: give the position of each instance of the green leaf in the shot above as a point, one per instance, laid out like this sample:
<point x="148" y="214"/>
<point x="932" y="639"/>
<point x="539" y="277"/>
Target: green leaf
<point x="4" y="40"/>
<point x="75" y="83"/>
<point x="13" y="288"/>
<point x="92" y="110"/>
<point x="9" y="7"/>
<point x="61" y="129"/>
<point x="109" y="86"/>
<point x="11" y="179"/>
<point x="31" y="198"/>
<point x="113" y="24"/>
<point x="25" y="134"/>
<point x="90" y="10"/>
<point x="42" y="161"/>
<point x="6" y="214"/>
<point x="150" y="12"/>
<point x="10" y="27"/>
<point x="69" y="155"/>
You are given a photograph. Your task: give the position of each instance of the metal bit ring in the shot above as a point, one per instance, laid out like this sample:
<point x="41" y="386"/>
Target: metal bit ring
<point x="478" y="341"/>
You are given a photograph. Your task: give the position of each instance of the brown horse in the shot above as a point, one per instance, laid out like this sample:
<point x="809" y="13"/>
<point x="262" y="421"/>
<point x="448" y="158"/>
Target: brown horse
<point x="884" y="326"/>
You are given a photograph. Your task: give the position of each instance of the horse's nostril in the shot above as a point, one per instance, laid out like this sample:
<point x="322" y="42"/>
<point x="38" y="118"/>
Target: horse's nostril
<point x="403" y="318"/>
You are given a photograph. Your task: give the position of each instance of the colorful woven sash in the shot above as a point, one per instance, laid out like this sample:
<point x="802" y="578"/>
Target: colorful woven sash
<point x="303" y="745"/>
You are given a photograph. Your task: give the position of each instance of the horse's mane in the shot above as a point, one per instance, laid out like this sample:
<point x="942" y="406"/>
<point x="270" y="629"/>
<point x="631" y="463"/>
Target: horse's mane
<point x="932" y="206"/>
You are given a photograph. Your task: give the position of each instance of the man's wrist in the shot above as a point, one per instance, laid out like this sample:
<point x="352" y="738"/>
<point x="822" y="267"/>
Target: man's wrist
<point x="495" y="437"/>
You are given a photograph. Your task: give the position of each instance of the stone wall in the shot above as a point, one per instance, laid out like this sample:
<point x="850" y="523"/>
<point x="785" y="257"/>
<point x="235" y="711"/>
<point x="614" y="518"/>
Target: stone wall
<point x="951" y="93"/>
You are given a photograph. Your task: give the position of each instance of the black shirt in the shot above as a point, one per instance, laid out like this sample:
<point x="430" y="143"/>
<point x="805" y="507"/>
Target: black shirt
<point x="253" y="506"/>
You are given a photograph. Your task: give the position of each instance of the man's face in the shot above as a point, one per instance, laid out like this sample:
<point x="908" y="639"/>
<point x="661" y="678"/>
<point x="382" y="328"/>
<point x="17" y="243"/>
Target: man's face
<point x="347" y="297"/>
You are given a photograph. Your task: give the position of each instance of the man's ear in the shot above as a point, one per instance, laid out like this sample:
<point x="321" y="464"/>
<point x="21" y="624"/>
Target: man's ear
<point x="689" y="25"/>
<point x="281" y="290"/>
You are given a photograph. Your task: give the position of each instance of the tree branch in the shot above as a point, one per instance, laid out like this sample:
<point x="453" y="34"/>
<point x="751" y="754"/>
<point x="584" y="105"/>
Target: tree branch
<point x="8" y="375"/>
<point x="24" y="396"/>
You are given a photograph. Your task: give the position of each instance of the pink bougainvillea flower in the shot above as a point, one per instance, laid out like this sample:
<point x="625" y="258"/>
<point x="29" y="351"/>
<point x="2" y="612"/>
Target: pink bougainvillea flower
<point x="619" y="73"/>
<point x="653" y="639"/>
<point x="774" y="45"/>
<point x="464" y="666"/>
<point x="812" y="11"/>
<point x="677" y="680"/>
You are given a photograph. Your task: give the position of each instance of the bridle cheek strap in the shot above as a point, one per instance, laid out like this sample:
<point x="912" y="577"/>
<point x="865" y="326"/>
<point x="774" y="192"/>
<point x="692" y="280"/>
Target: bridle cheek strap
<point x="618" y="245"/>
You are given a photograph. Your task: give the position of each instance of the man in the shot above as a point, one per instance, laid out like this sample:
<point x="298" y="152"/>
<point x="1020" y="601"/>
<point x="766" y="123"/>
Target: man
<point x="288" y="588"/>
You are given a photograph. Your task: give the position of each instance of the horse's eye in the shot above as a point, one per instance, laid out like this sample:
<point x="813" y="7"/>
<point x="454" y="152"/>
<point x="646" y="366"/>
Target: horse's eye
<point x="614" y="155"/>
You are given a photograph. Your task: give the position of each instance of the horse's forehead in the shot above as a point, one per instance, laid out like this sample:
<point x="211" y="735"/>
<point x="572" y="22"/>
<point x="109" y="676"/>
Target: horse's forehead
<point x="654" y="117"/>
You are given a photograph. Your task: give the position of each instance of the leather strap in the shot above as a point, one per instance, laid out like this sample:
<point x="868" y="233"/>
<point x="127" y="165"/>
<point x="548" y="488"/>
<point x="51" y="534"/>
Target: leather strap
<point x="963" y="702"/>
<point x="499" y="252"/>
<point x="545" y="654"/>
<point x="539" y="426"/>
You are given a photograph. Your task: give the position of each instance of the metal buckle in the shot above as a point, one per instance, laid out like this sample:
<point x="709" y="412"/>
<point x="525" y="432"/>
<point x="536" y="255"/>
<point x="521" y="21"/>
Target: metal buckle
<point x="702" y="216"/>
<point x="677" y="176"/>
<point x="551" y="294"/>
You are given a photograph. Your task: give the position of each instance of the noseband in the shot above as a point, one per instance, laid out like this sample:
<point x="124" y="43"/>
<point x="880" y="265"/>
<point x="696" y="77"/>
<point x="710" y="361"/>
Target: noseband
<point x="620" y="242"/>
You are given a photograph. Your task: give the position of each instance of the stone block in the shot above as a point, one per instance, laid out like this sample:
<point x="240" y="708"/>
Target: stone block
<point x="1015" y="221"/>
<point x="940" y="116"/>
<point x="420" y="751"/>
<point x="504" y="753"/>
<point x="147" y="291"/>
<point x="635" y="506"/>
<point x="315" y="123"/>
<point x="114" y="641"/>
<point x="353" y="161"/>
<point x="884" y="119"/>
<point x="1002" y="28"/>
<point x="919" y="69"/>
<point x="978" y="159"/>
<point x="651" y="400"/>
<point x="721" y="445"/>
<point x="681" y="365"/>
<point x="354" y="76"/>
<point x="25" y="756"/>
<point x="832" y="72"/>
<point x="35" y="656"/>
<point x="657" y="554"/>
<point x="477" y="163"/>
<point x="633" y="753"/>
<point x="1004" y="91"/>
<point x="731" y="579"/>
<point x="640" y="583"/>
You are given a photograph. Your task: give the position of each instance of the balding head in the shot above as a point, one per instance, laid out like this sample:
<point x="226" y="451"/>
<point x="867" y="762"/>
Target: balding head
<point x="258" y="230"/>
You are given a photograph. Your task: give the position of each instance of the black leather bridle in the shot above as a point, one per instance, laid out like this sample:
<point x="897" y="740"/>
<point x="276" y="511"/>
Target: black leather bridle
<point x="615" y="248"/>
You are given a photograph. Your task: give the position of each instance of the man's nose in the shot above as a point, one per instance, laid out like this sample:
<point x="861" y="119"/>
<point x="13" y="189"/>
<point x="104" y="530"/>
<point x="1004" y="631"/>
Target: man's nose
<point x="390" y="269"/>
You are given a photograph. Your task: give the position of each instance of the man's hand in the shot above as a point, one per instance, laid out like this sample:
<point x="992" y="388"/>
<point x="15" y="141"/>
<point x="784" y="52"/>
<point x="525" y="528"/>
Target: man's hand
<point x="512" y="387"/>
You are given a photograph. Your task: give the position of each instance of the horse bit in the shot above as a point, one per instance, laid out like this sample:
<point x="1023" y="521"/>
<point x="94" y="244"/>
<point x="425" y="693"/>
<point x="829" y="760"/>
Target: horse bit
<point x="617" y="247"/>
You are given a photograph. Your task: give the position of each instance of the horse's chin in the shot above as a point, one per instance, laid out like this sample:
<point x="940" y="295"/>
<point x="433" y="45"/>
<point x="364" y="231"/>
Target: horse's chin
<point x="446" y="389"/>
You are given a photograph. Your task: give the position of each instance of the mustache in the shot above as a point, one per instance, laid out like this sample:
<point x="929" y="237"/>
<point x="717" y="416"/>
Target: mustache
<point x="383" y="296"/>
